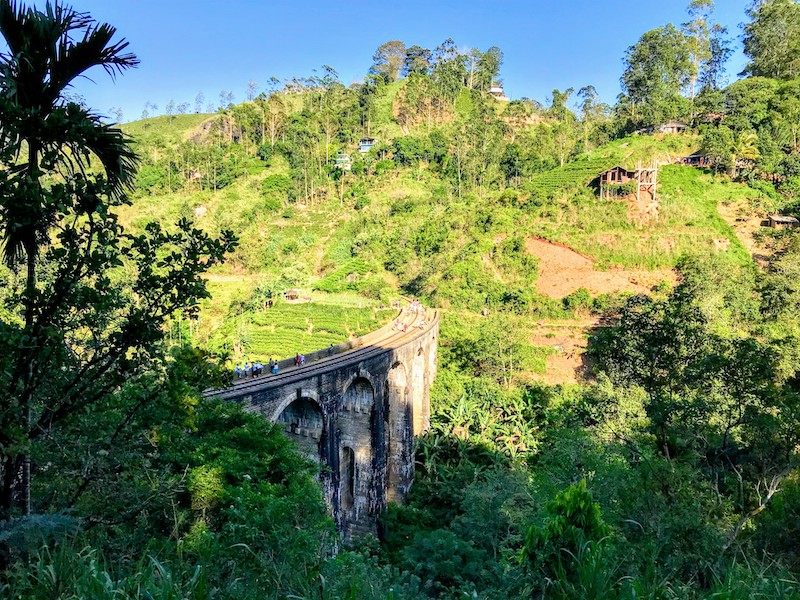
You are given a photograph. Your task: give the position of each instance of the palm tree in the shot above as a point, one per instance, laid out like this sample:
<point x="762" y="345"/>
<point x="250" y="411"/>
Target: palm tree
<point x="42" y="132"/>
<point x="745" y="149"/>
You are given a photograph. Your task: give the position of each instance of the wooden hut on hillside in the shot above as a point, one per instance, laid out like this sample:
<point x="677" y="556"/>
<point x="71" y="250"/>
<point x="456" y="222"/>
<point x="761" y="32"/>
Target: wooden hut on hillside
<point x="619" y="182"/>
<point x="783" y="222"/>
<point x="610" y="182"/>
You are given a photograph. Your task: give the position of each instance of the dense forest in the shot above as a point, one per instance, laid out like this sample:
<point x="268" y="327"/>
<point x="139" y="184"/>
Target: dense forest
<point x="141" y="261"/>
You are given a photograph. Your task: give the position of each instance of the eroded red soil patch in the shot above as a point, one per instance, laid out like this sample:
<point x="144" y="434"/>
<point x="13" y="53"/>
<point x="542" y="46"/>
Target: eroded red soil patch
<point x="562" y="271"/>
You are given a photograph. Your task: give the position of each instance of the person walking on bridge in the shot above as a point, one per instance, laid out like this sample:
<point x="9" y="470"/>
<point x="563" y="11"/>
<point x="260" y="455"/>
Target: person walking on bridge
<point x="297" y="360"/>
<point x="238" y="371"/>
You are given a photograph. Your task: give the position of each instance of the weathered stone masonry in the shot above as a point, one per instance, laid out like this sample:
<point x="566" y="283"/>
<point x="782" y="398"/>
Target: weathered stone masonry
<point x="357" y="414"/>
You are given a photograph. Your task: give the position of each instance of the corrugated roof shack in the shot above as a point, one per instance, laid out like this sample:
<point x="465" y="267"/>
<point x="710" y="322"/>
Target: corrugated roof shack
<point x="783" y="222"/>
<point x="616" y="182"/>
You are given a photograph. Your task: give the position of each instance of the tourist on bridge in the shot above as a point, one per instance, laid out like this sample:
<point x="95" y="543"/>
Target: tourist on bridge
<point x="275" y="368"/>
<point x="302" y="359"/>
<point x="247" y="369"/>
<point x="258" y="368"/>
<point x="238" y="371"/>
<point x="297" y="360"/>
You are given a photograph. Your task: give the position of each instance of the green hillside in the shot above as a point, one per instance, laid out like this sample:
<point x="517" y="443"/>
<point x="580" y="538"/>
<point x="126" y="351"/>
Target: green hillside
<point x="395" y="227"/>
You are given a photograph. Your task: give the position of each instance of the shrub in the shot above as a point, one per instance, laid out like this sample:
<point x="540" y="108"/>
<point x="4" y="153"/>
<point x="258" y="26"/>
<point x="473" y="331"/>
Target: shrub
<point x="580" y="299"/>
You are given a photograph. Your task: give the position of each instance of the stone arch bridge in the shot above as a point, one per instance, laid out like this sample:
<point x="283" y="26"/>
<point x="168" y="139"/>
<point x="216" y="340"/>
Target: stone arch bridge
<point x="355" y="409"/>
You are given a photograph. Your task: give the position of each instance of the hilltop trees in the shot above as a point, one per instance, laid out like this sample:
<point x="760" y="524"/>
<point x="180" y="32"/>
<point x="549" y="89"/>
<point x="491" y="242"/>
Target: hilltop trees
<point x="657" y="68"/>
<point x="698" y="38"/>
<point x="388" y="60"/>
<point x="772" y="39"/>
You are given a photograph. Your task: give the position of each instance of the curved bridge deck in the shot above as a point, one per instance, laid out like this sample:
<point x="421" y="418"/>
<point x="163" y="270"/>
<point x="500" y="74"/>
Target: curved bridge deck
<point x="355" y="409"/>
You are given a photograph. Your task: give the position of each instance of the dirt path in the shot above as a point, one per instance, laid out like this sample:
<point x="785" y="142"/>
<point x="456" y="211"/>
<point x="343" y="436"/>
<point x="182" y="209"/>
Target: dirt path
<point x="562" y="271"/>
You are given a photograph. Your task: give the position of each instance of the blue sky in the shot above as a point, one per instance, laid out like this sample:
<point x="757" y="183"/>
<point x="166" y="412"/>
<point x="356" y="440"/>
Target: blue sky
<point x="188" y="46"/>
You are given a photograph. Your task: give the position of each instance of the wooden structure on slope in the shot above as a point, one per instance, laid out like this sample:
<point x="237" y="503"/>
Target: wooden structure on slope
<point x="783" y="222"/>
<point x="694" y="160"/>
<point x="669" y="127"/>
<point x="611" y="182"/>
<point x="647" y="183"/>
<point x="619" y="182"/>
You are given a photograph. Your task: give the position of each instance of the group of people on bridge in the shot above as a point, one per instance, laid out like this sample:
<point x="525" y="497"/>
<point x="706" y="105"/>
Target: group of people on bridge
<point x="254" y="369"/>
<point x="415" y="306"/>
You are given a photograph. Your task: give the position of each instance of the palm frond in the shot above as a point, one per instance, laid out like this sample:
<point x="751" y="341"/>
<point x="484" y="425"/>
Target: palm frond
<point x="11" y="25"/>
<point x="47" y="49"/>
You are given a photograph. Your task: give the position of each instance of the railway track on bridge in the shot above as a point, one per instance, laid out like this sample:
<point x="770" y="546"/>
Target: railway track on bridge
<point x="382" y="340"/>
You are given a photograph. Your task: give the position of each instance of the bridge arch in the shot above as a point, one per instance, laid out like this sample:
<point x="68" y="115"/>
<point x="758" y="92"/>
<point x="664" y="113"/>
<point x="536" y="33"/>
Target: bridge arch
<point x="290" y="396"/>
<point x="304" y="423"/>
<point x="356" y="471"/>
<point x="358" y="392"/>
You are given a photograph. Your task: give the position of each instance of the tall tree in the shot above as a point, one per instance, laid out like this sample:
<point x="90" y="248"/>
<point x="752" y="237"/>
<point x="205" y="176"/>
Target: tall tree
<point x="418" y="60"/>
<point x="712" y="75"/>
<point x="698" y="38"/>
<point x="41" y="62"/>
<point x="252" y="90"/>
<point x="389" y="59"/>
<point x="657" y="68"/>
<point x="488" y="68"/>
<point x="449" y="70"/>
<point x="772" y="39"/>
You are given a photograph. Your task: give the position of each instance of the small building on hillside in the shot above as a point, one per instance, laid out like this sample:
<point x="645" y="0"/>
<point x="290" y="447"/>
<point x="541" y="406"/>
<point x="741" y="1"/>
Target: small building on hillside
<point x="342" y="161"/>
<point x="496" y="91"/>
<point x="619" y="182"/>
<point x="670" y="127"/>
<point x="783" y="222"/>
<point x="292" y="294"/>
<point x="695" y="160"/>
<point x="611" y="183"/>
<point x="365" y="144"/>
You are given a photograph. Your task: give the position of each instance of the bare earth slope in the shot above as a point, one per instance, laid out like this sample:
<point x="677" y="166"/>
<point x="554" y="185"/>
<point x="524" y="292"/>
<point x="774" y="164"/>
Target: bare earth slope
<point x="562" y="271"/>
